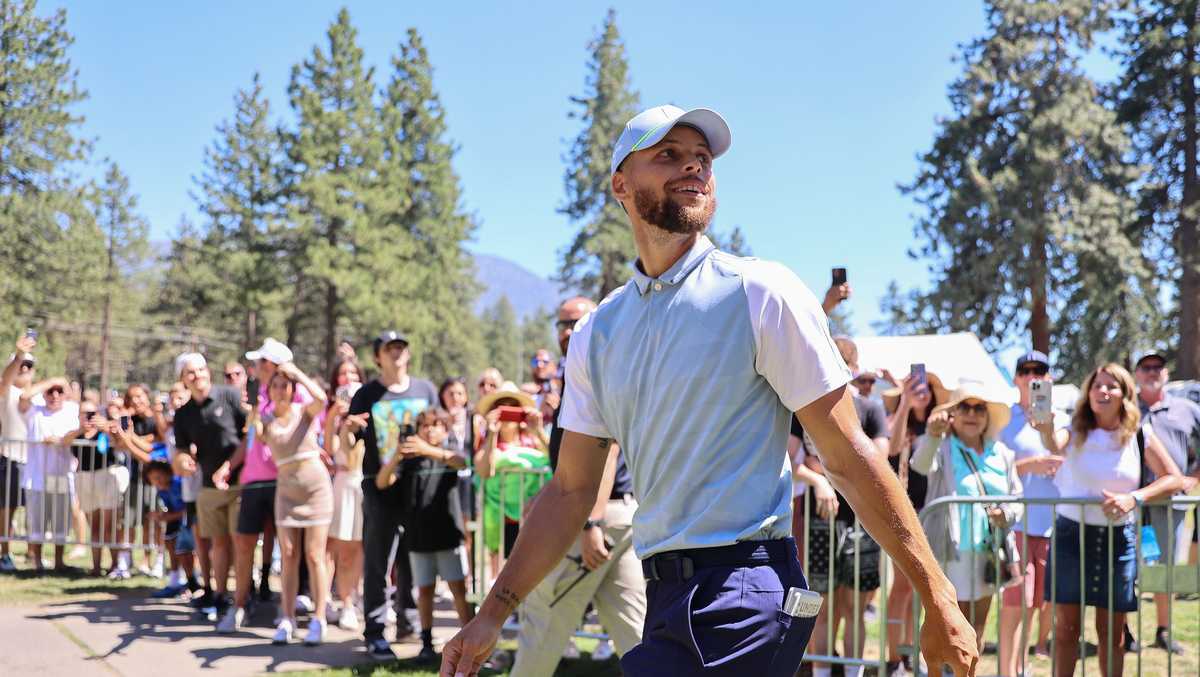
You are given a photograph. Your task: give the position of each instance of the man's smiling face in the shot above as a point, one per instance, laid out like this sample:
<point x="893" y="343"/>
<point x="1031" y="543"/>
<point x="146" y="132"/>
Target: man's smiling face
<point x="672" y="183"/>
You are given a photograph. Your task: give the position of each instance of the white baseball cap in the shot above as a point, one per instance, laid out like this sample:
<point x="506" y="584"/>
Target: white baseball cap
<point x="271" y="351"/>
<point x="649" y="127"/>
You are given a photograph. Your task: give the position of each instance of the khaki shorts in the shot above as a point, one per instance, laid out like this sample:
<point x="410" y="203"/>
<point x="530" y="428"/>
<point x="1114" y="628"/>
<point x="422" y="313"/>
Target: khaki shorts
<point x="101" y="489"/>
<point x="217" y="511"/>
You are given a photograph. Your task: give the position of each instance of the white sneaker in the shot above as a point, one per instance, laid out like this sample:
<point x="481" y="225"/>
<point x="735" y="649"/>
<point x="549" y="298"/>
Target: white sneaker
<point x="119" y="574"/>
<point x="603" y="650"/>
<point x="316" y="632"/>
<point x="157" y="570"/>
<point x="304" y="604"/>
<point x="283" y="632"/>
<point x="571" y="651"/>
<point x="232" y="620"/>
<point x="331" y="614"/>
<point x="348" y="619"/>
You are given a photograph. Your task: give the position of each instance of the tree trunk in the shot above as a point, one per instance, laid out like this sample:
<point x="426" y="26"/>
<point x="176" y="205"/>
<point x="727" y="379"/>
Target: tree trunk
<point x="1188" y="236"/>
<point x="251" y="329"/>
<point x="1039" y="318"/>
<point x="331" y="299"/>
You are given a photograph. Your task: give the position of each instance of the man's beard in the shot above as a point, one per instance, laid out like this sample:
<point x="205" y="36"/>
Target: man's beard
<point x="670" y="216"/>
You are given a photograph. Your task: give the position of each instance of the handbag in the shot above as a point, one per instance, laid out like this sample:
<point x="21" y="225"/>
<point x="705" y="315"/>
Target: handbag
<point x="1002" y="543"/>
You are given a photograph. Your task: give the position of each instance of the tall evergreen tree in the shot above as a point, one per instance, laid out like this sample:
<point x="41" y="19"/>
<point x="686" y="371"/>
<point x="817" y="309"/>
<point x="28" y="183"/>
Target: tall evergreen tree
<point x="335" y="150"/>
<point x="597" y="260"/>
<point x="1157" y="95"/>
<point x="421" y="212"/>
<point x="240" y="194"/>
<point x="1026" y="220"/>
<point x="39" y="139"/>
<point x="124" y="234"/>
<point x="502" y="339"/>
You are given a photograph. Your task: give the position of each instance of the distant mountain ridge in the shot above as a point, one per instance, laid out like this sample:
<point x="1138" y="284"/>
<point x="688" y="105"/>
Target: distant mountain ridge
<point x="527" y="291"/>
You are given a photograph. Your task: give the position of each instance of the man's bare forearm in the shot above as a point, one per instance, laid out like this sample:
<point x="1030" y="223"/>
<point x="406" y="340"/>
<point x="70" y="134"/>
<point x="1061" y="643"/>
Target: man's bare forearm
<point x="859" y="470"/>
<point x="606" y="485"/>
<point x="552" y="525"/>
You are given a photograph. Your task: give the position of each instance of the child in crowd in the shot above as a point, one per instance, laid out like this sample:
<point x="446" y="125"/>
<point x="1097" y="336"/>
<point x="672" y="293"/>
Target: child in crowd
<point x="172" y="512"/>
<point x="433" y="526"/>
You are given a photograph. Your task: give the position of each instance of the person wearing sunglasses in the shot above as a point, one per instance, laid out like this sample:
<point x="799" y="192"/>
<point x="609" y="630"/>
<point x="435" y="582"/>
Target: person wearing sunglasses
<point x="961" y="456"/>
<point x="1176" y="422"/>
<point x="1037" y="468"/>
<point x="47" y="477"/>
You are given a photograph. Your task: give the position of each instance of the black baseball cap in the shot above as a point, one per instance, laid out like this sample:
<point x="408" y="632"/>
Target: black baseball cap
<point x="1033" y="357"/>
<point x="389" y="336"/>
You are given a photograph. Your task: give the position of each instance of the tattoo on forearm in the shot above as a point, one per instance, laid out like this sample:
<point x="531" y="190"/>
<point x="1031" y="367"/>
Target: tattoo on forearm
<point x="508" y="598"/>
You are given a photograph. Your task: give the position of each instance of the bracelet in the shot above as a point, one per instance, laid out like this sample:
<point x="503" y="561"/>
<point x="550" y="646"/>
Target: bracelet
<point x="1137" y="498"/>
<point x="592" y="524"/>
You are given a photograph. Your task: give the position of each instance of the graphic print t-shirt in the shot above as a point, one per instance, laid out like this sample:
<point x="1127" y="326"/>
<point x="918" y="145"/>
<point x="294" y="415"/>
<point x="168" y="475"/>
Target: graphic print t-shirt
<point x="387" y="408"/>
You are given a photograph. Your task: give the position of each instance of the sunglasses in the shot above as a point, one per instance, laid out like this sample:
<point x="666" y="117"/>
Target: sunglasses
<point x="1158" y="366"/>
<point x="1037" y="370"/>
<point x="563" y="325"/>
<point x="54" y="391"/>
<point x="233" y="374"/>
<point x="865" y="380"/>
<point x="977" y="408"/>
<point x="89" y="415"/>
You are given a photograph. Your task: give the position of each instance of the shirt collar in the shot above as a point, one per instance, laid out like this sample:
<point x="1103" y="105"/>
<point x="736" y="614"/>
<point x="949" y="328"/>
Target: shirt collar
<point x="676" y="273"/>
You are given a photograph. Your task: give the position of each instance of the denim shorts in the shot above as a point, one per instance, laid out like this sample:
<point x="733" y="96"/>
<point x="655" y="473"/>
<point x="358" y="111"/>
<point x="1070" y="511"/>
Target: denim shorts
<point x="1064" y="585"/>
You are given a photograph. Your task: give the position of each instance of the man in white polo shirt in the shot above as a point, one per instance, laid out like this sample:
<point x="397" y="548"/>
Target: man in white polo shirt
<point x="695" y="367"/>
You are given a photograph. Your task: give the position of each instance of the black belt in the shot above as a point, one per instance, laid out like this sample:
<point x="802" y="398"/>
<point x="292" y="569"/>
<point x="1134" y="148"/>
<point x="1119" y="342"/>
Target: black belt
<point x="625" y="496"/>
<point x="680" y="565"/>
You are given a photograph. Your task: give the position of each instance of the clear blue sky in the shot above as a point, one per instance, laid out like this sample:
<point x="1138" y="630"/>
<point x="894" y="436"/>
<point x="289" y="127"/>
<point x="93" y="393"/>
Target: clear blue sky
<point x="828" y="103"/>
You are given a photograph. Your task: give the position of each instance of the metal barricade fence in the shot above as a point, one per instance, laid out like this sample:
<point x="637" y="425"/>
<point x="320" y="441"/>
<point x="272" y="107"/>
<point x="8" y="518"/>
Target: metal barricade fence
<point x="484" y="566"/>
<point x="1168" y="578"/>
<point x="46" y="488"/>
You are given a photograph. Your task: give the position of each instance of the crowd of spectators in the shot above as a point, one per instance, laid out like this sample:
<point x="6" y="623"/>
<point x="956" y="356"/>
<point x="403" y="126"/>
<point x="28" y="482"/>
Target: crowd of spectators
<point x="360" y="491"/>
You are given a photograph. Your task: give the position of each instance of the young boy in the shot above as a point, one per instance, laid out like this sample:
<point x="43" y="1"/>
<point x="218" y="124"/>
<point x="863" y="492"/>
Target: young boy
<point x="433" y="527"/>
<point x="178" y="538"/>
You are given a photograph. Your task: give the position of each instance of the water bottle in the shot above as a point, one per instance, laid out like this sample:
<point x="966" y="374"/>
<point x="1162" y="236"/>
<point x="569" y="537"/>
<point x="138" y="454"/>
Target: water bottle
<point x="1151" y="553"/>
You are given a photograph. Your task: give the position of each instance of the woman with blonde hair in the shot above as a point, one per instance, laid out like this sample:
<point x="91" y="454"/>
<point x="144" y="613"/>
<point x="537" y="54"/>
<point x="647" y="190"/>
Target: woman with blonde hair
<point x="1103" y="453"/>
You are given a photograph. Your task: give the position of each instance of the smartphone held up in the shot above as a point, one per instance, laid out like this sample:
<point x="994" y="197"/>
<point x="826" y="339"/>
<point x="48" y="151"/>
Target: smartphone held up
<point x="1041" y="401"/>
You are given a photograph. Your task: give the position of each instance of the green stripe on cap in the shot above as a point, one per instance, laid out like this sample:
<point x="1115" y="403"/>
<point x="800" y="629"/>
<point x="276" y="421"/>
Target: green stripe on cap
<point x="638" y="143"/>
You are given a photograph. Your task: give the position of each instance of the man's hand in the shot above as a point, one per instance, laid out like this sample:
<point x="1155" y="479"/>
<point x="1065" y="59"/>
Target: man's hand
<point x="184" y="465"/>
<point x="948" y="639"/>
<point x="25" y="344"/>
<point x="220" y="477"/>
<point x="465" y="653"/>
<point x="592" y="548"/>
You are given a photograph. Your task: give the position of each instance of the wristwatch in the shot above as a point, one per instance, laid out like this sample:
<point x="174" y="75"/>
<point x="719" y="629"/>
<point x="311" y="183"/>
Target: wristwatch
<point x="592" y="524"/>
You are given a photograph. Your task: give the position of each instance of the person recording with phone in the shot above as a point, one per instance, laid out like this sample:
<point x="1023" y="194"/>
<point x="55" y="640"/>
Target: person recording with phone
<point x="515" y="439"/>
<point x="1037" y="468"/>
<point x="839" y="291"/>
<point x="345" y="531"/>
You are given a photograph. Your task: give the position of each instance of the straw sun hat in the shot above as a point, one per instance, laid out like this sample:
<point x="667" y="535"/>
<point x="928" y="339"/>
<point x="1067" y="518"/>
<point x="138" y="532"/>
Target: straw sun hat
<point x="507" y="390"/>
<point x="998" y="412"/>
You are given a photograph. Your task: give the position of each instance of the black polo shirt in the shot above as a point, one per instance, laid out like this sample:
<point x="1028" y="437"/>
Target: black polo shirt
<point x="215" y="425"/>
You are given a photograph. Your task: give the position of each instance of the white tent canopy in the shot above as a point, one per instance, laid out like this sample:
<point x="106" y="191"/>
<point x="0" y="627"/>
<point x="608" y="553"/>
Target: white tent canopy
<point x="953" y="357"/>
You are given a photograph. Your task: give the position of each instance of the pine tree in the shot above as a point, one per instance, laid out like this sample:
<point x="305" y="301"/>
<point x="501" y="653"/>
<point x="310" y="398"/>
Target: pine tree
<point x="598" y="258"/>
<point x="1026" y="220"/>
<point x="421" y="213"/>
<point x="240" y="194"/>
<point x="124" y="236"/>
<point x="502" y="339"/>
<point x="39" y="139"/>
<point x="335" y="152"/>
<point x="1156" y="94"/>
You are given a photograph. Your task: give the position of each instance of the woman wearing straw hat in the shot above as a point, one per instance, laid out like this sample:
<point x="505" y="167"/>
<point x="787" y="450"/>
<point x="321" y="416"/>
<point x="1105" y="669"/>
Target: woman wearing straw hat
<point x="509" y="444"/>
<point x="1103" y="454"/>
<point x="960" y="456"/>
<point x="909" y="406"/>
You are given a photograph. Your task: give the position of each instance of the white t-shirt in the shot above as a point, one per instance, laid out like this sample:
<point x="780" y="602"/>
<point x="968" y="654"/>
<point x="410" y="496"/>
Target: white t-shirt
<point x="13" y="430"/>
<point x="47" y="466"/>
<point x="1102" y="463"/>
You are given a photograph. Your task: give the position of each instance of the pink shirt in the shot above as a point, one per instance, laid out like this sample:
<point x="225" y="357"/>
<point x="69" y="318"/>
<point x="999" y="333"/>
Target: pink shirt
<point x="259" y="466"/>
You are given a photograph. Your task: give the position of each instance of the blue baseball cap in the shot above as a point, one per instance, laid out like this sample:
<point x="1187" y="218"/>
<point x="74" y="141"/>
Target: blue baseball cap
<point x="649" y="127"/>
<point x="1032" y="357"/>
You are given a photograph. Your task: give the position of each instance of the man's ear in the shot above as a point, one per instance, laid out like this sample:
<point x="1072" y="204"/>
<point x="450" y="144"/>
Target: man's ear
<point x="620" y="186"/>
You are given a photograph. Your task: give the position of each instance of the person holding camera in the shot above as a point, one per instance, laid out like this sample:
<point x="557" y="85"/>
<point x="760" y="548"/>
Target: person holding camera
<point x="345" y="531"/>
<point x="961" y="456"/>
<point x="101" y="478"/>
<point x="14" y="433"/>
<point x="1103" y="454"/>
<point x="381" y="415"/>
<point x="1037" y="468"/>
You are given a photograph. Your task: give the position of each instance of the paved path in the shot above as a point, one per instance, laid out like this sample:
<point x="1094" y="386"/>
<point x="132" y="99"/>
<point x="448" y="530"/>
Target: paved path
<point x="132" y="636"/>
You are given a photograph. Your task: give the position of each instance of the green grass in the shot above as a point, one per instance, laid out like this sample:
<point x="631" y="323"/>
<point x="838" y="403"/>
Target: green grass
<point x="582" y="667"/>
<point x="24" y="587"/>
